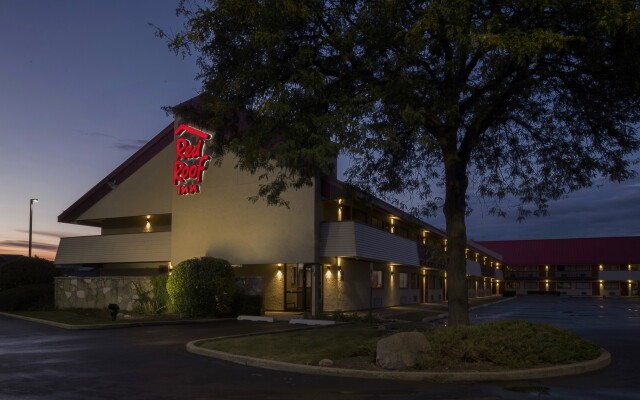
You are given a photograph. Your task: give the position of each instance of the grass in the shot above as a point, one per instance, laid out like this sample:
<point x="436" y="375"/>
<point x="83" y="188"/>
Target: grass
<point x="305" y="347"/>
<point x="487" y="346"/>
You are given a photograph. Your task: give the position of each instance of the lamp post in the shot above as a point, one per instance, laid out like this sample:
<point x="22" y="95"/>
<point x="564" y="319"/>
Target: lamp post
<point x="31" y="201"/>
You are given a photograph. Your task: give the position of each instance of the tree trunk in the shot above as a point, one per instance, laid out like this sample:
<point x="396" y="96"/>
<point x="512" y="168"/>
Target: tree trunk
<point x="455" y="207"/>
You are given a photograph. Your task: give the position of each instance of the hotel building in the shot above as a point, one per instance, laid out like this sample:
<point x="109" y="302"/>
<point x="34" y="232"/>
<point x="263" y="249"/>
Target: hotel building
<point x="334" y="248"/>
<point x="606" y="266"/>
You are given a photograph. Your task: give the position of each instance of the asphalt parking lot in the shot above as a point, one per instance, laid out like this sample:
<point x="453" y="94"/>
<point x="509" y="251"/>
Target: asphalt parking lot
<point x="42" y="362"/>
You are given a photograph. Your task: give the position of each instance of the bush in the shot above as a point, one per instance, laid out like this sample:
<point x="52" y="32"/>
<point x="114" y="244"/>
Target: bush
<point x="512" y="344"/>
<point x="156" y="300"/>
<point x="247" y="304"/>
<point x="27" y="271"/>
<point x="202" y="286"/>
<point x="29" y="297"/>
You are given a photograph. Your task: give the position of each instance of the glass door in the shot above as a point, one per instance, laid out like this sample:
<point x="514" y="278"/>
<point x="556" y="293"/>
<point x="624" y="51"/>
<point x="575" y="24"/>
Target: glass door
<point x="297" y="287"/>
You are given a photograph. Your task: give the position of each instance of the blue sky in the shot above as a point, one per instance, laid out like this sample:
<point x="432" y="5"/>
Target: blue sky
<point x="82" y="84"/>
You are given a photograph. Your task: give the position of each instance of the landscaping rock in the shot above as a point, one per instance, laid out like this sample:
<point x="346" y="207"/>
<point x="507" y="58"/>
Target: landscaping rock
<point x="402" y="350"/>
<point x="325" y="362"/>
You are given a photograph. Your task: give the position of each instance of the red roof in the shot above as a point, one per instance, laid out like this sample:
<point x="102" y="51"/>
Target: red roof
<point x="605" y="250"/>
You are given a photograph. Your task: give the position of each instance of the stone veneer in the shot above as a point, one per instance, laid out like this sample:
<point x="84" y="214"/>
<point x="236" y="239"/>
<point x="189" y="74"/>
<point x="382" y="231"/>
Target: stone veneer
<point x="98" y="292"/>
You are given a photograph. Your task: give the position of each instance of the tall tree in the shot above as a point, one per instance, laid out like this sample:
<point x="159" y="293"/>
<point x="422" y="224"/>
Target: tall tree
<point x="530" y="98"/>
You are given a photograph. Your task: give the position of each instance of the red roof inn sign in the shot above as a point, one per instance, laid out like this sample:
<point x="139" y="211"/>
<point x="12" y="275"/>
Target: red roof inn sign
<point x="191" y="162"/>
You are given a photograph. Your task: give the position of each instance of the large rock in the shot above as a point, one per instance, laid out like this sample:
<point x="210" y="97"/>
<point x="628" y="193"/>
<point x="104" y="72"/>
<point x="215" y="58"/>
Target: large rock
<point x="402" y="350"/>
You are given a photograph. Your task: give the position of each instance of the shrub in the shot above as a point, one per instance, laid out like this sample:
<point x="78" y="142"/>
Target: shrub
<point x="202" y="286"/>
<point x="247" y="304"/>
<point x="156" y="300"/>
<point x="513" y="344"/>
<point x="27" y="271"/>
<point x="29" y="297"/>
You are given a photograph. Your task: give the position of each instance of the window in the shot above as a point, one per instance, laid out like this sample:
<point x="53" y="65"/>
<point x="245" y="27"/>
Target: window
<point x="513" y="285"/>
<point x="414" y="281"/>
<point x="432" y="281"/>
<point x="403" y="280"/>
<point x="376" y="279"/>
<point x="612" y="285"/>
<point x="564" y="285"/>
<point x="531" y="285"/>
<point x="359" y="216"/>
<point x="377" y="223"/>
<point x="583" y="285"/>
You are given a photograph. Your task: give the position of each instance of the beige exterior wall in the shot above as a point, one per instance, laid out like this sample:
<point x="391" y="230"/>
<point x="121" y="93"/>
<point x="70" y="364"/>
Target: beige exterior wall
<point x="221" y="222"/>
<point x="273" y="283"/>
<point x="353" y="293"/>
<point x="147" y="191"/>
<point x="349" y="294"/>
<point x="129" y="248"/>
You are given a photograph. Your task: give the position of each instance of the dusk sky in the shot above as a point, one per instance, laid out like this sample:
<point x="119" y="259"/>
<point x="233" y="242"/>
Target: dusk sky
<point x="82" y="84"/>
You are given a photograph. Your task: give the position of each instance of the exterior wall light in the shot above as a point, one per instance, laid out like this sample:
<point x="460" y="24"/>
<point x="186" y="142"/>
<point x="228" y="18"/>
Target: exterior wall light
<point x="147" y="226"/>
<point x="340" y="274"/>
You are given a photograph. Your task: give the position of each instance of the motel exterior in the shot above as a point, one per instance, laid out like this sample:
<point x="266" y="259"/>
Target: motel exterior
<point x="606" y="266"/>
<point x="333" y="249"/>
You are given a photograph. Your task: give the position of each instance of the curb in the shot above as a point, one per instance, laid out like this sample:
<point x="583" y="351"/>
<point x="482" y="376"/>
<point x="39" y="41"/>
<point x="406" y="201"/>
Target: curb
<point x="111" y="325"/>
<point x="509" y="375"/>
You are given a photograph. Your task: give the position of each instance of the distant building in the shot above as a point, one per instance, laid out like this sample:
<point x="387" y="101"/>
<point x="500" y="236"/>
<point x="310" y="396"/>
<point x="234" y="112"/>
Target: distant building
<point x="606" y="266"/>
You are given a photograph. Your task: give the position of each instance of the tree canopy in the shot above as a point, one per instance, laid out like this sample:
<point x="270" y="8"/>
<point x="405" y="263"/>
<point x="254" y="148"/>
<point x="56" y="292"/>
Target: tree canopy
<point x="532" y="99"/>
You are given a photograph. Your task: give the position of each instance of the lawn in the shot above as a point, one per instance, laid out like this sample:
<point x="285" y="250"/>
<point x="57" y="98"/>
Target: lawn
<point x="489" y="346"/>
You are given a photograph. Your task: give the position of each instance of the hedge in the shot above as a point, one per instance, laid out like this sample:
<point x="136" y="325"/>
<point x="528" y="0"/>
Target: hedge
<point x="29" y="297"/>
<point x="27" y="271"/>
<point x="202" y="286"/>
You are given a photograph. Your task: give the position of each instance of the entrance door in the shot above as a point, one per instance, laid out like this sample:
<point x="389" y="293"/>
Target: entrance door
<point x="297" y="287"/>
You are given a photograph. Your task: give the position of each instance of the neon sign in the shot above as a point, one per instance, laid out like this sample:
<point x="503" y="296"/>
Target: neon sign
<point x="191" y="162"/>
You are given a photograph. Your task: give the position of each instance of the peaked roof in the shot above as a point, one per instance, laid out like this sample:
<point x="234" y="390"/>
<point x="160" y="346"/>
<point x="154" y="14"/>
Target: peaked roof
<point x="575" y="251"/>
<point x="118" y="175"/>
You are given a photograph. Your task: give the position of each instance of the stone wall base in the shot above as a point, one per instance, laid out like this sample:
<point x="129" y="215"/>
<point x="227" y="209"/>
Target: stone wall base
<point x="98" y="292"/>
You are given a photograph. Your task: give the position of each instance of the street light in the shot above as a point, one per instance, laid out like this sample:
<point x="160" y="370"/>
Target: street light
<point x="31" y="201"/>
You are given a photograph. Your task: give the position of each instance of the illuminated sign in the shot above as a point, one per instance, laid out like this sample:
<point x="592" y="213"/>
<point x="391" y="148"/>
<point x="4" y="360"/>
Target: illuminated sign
<point x="191" y="162"/>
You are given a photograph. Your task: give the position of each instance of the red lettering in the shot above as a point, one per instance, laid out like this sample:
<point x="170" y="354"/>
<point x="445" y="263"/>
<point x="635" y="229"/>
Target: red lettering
<point x="188" y="189"/>
<point x="185" y="150"/>
<point x="189" y="166"/>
